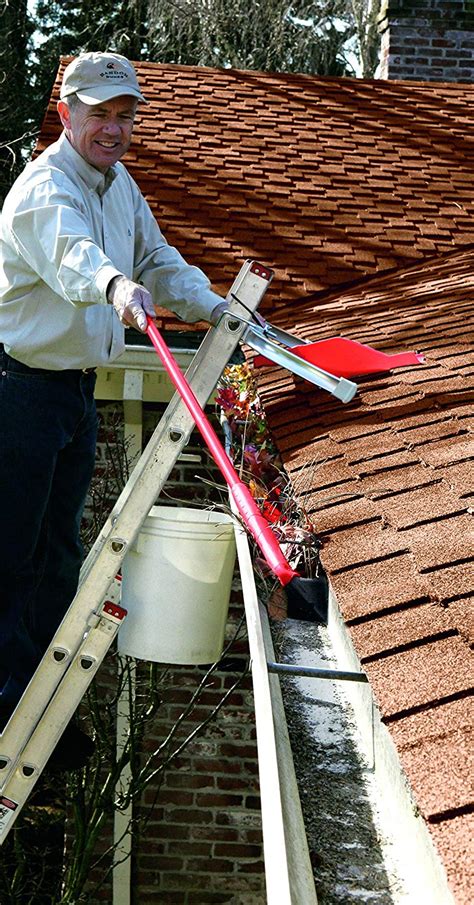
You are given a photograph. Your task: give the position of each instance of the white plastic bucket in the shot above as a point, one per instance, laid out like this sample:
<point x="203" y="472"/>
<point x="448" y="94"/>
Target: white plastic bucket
<point x="176" y="586"/>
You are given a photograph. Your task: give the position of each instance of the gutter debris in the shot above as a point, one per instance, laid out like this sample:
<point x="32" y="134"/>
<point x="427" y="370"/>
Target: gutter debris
<point x="352" y="822"/>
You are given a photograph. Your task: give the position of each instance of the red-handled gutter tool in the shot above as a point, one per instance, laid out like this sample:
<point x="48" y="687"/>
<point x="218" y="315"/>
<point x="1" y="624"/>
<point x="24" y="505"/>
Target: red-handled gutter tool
<point x="307" y="597"/>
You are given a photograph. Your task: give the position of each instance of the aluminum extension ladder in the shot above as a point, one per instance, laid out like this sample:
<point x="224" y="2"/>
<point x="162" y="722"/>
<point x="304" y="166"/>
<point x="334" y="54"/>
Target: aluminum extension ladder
<point x="93" y="620"/>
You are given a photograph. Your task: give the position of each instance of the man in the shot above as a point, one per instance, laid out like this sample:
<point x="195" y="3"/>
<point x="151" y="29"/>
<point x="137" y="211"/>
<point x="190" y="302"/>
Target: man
<point x="80" y="256"/>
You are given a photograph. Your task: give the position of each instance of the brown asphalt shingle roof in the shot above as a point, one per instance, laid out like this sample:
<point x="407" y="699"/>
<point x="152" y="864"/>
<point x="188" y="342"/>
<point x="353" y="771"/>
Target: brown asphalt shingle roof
<point x="360" y="195"/>
<point x="387" y="482"/>
<point x="326" y="180"/>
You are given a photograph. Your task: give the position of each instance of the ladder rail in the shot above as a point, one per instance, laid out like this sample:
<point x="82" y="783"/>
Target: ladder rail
<point x="45" y="736"/>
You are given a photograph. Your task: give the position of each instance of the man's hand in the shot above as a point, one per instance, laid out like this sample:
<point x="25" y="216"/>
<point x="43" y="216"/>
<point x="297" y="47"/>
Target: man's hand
<point x="131" y="301"/>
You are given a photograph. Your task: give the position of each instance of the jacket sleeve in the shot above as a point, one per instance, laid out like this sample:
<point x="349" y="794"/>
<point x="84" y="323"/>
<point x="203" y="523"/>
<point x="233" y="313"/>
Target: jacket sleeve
<point x="172" y="282"/>
<point x="50" y="233"/>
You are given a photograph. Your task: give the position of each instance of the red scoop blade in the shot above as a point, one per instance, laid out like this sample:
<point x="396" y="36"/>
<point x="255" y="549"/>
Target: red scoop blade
<point x="347" y="358"/>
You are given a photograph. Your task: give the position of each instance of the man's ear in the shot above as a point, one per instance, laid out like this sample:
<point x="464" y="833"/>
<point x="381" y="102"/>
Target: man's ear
<point x="64" y="114"/>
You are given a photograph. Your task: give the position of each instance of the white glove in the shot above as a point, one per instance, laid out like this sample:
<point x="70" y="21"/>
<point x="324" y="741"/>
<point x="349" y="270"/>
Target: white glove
<point x="131" y="301"/>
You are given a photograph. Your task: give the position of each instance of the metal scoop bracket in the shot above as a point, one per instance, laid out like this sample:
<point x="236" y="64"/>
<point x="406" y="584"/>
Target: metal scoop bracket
<point x="258" y="339"/>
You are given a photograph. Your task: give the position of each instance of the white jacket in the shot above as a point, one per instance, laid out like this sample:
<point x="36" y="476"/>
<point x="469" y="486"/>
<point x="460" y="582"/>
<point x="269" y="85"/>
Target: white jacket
<point x="66" y="231"/>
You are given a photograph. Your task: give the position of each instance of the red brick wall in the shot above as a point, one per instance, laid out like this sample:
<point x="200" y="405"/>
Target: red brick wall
<point x="202" y="842"/>
<point x="428" y="40"/>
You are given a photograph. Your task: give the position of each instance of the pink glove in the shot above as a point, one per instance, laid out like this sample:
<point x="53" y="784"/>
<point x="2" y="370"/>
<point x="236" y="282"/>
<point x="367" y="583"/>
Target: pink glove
<point x="131" y="301"/>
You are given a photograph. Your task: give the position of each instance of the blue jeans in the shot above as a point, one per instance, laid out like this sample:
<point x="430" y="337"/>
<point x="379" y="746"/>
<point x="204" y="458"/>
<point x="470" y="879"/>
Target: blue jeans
<point x="48" y="428"/>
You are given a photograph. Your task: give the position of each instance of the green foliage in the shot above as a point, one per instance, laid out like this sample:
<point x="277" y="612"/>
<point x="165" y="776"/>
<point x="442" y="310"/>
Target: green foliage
<point x="17" y="120"/>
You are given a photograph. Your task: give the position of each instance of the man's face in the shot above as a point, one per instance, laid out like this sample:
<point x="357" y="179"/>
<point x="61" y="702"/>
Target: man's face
<point x="100" y="133"/>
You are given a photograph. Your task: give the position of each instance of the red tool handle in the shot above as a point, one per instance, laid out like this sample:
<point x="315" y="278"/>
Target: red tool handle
<point x="246" y="506"/>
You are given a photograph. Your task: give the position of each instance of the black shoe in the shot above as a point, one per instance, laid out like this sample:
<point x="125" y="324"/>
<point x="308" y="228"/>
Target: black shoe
<point x="73" y="750"/>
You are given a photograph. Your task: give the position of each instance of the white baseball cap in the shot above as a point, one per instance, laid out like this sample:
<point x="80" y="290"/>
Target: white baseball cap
<point x="96" y="77"/>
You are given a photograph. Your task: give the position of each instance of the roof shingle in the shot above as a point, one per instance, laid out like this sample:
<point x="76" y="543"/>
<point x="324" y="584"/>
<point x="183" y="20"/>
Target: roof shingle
<point x="400" y="548"/>
<point x="341" y="177"/>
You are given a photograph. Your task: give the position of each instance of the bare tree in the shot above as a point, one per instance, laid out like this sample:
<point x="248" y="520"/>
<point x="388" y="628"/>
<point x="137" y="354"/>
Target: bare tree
<point x="17" y="126"/>
<point x="365" y="15"/>
<point x="271" y="35"/>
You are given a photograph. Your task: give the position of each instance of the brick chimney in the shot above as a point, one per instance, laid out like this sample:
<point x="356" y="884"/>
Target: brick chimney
<point x="427" y="40"/>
